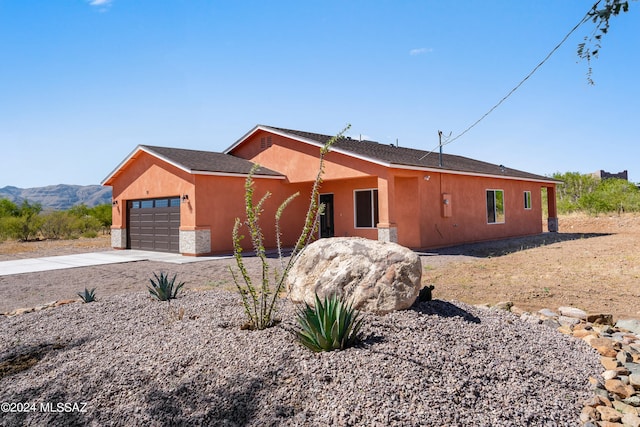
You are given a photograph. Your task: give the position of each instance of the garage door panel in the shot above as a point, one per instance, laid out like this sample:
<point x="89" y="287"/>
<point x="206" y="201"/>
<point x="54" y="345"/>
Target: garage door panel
<point x="155" y="226"/>
<point x="161" y="246"/>
<point x="161" y="217"/>
<point x="147" y="245"/>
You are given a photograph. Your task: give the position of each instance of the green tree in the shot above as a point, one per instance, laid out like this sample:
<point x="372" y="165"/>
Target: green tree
<point x="612" y="195"/>
<point x="27" y="225"/>
<point x="103" y="214"/>
<point x="57" y="225"/>
<point x="79" y="210"/>
<point x="575" y="185"/>
<point x="87" y="221"/>
<point x="600" y="14"/>
<point x="8" y="208"/>
<point x="27" y="221"/>
<point x="87" y="226"/>
<point x="29" y="209"/>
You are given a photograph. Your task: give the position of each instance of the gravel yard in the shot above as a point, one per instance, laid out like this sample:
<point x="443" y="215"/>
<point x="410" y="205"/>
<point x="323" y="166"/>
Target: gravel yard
<point x="131" y="360"/>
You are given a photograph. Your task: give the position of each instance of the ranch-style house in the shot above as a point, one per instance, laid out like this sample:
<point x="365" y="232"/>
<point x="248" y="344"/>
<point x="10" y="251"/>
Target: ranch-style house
<point x="186" y="201"/>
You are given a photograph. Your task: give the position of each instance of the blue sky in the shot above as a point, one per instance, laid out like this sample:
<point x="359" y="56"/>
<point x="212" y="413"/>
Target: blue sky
<point x="83" y="82"/>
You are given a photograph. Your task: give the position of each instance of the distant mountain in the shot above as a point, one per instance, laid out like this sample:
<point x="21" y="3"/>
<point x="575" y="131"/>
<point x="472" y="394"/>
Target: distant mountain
<point x="59" y="197"/>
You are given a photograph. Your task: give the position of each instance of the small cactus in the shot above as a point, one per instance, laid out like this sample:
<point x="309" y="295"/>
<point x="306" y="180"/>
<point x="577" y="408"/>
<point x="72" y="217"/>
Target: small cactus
<point x="164" y="289"/>
<point x="88" y="295"/>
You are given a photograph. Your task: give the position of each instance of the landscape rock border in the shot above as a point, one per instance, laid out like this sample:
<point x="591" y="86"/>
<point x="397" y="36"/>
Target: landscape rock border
<point x="52" y="304"/>
<point x="616" y="400"/>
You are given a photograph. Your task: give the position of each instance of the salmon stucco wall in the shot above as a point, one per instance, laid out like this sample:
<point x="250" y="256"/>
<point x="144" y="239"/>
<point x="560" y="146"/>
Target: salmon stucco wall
<point x="299" y="161"/>
<point x="468" y="210"/>
<point x="416" y="207"/>
<point x="410" y="201"/>
<point x="220" y="200"/>
<point x="146" y="177"/>
<point x="213" y="202"/>
<point x="343" y="206"/>
<point x="408" y="214"/>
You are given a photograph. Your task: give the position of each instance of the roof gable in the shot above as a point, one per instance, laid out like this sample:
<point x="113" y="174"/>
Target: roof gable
<point x="207" y="161"/>
<point x="400" y="157"/>
<point x="197" y="162"/>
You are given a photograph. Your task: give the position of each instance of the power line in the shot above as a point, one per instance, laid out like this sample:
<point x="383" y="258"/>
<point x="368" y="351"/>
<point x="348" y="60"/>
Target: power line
<point x="582" y="21"/>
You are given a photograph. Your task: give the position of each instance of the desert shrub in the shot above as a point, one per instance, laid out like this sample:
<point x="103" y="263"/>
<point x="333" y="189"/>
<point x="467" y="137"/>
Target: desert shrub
<point x="28" y="222"/>
<point x="4" y="228"/>
<point x="67" y="225"/>
<point x="585" y="193"/>
<point x="260" y="301"/>
<point x="164" y="289"/>
<point x="8" y="208"/>
<point x="85" y="223"/>
<point x="331" y="324"/>
<point x="102" y="213"/>
<point x="88" y="295"/>
<point x="574" y="186"/>
<point x="22" y="227"/>
<point x="612" y="195"/>
<point x="56" y="225"/>
<point x="31" y="220"/>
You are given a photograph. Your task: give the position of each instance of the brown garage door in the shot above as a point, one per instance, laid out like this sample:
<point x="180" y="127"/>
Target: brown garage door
<point x="154" y="224"/>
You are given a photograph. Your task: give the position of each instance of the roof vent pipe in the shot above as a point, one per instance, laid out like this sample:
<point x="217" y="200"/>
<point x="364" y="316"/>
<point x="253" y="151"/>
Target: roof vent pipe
<point x="440" y="145"/>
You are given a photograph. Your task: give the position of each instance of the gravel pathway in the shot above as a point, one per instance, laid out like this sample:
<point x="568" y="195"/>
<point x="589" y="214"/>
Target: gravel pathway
<point x="134" y="363"/>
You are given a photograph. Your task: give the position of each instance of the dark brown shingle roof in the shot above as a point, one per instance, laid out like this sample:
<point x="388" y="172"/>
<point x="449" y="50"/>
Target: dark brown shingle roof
<point x="410" y="157"/>
<point x="207" y="161"/>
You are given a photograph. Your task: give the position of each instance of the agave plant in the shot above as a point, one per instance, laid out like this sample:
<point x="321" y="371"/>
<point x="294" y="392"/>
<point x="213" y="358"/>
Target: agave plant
<point x="88" y="295"/>
<point x="163" y="288"/>
<point x="331" y="325"/>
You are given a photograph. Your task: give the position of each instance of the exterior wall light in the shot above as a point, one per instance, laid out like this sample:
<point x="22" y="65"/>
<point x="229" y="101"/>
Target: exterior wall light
<point x="114" y="203"/>
<point x="185" y="198"/>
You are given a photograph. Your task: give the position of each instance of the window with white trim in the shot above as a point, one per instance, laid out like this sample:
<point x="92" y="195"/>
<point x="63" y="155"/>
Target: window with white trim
<point x="366" y="208"/>
<point x="527" y="199"/>
<point x="495" y="206"/>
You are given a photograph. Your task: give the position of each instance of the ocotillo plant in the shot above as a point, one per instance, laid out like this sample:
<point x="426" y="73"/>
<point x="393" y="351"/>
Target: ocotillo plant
<point x="260" y="302"/>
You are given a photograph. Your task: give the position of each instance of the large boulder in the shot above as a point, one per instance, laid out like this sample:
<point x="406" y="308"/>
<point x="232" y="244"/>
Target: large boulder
<point x="374" y="276"/>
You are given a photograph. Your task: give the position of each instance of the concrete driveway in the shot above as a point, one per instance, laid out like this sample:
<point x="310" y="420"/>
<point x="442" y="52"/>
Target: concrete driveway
<point x="30" y="265"/>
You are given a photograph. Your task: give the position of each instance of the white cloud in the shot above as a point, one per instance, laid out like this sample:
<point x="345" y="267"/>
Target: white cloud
<point x="102" y="6"/>
<point x="420" y="51"/>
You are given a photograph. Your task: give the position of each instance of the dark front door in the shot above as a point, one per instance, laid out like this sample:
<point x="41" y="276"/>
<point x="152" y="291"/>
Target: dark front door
<point x="326" y="220"/>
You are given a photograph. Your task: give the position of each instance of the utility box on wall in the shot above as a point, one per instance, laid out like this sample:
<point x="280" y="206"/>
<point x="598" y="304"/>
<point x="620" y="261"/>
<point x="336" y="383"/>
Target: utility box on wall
<point x="446" y="205"/>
